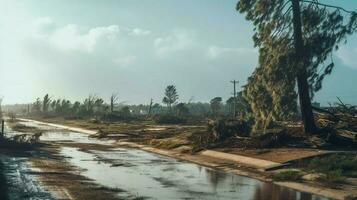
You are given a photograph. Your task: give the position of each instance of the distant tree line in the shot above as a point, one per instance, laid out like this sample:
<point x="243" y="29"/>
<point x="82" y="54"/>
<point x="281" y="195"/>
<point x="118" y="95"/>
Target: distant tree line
<point x="96" y="107"/>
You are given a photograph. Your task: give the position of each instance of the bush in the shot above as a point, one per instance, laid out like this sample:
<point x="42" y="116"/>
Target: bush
<point x="169" y="119"/>
<point x="332" y="179"/>
<point x="345" y="164"/>
<point x="289" y="175"/>
<point x="223" y="129"/>
<point x="119" y="117"/>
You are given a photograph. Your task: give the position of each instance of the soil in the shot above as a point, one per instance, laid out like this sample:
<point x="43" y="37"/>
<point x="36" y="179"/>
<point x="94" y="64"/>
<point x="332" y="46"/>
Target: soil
<point x="280" y="155"/>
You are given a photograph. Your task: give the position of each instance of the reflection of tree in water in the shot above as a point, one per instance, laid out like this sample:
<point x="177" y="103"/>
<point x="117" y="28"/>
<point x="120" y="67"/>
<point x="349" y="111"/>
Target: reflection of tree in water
<point x="215" y="177"/>
<point x="267" y="191"/>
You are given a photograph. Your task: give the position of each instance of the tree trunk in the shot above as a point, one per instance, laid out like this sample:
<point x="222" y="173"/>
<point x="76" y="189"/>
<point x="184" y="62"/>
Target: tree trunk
<point x="303" y="86"/>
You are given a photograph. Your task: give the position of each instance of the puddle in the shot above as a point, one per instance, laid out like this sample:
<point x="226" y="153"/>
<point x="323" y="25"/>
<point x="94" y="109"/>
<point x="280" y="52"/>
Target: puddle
<point x="22" y="184"/>
<point x="154" y="176"/>
<point x="159" y="177"/>
<point x="62" y="135"/>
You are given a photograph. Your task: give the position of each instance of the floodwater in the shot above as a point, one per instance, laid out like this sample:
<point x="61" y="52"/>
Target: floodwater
<point x="159" y="177"/>
<point x="21" y="181"/>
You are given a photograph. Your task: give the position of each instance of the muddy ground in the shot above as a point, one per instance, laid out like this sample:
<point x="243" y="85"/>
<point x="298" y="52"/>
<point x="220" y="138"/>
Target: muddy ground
<point x="177" y="136"/>
<point x="68" y="181"/>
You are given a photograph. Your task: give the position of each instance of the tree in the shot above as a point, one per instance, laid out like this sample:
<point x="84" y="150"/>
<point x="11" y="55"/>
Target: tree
<point x="89" y="104"/>
<point x="113" y="101"/>
<point x="46" y="103"/>
<point x="37" y="106"/>
<point x="295" y="38"/>
<point x="182" y="109"/>
<point x="156" y="108"/>
<point x="125" y="111"/>
<point x="99" y="107"/>
<point x="1" y="107"/>
<point x="150" y="107"/>
<point x="75" y="107"/>
<point x="171" y="96"/>
<point x="53" y="106"/>
<point x="65" y="107"/>
<point x="230" y="104"/>
<point x="216" y="104"/>
<point x="58" y="106"/>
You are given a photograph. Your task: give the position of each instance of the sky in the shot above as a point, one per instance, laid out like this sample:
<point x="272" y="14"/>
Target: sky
<point x="73" y="48"/>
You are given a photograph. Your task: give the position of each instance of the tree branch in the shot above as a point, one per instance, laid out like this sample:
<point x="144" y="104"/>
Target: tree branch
<point x="327" y="5"/>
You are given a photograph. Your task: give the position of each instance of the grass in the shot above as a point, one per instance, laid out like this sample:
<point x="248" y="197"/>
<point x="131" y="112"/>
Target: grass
<point x="346" y="164"/>
<point x="332" y="179"/>
<point x="169" y="143"/>
<point x="289" y="175"/>
<point x="335" y="168"/>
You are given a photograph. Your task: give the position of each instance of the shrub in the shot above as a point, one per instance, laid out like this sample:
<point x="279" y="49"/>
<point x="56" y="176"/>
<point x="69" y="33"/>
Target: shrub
<point x="332" y="179"/>
<point x="289" y="175"/>
<point x="223" y="129"/>
<point x="169" y="119"/>
<point x="346" y="164"/>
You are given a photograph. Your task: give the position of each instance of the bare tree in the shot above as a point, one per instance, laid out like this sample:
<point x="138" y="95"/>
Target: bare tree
<point x="113" y="101"/>
<point x="89" y="103"/>
<point x="1" y="98"/>
<point x="46" y="103"/>
<point x="150" y="106"/>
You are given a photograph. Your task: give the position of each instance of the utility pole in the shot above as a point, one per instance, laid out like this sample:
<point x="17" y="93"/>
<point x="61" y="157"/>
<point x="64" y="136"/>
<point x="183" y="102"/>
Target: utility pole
<point x="303" y="86"/>
<point x="234" y="82"/>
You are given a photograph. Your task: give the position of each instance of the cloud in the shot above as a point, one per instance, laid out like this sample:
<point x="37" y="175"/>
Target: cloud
<point x="139" y="32"/>
<point x="69" y="37"/>
<point x="125" y="61"/>
<point x="72" y="37"/>
<point x="178" y="40"/>
<point x="348" y="56"/>
<point x="43" y="26"/>
<point x="215" y="52"/>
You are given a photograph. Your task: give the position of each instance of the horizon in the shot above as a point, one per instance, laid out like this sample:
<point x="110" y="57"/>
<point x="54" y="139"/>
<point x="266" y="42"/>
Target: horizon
<point x="137" y="50"/>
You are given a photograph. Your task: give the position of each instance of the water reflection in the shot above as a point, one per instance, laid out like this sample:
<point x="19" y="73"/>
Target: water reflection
<point x="159" y="177"/>
<point x="215" y="177"/>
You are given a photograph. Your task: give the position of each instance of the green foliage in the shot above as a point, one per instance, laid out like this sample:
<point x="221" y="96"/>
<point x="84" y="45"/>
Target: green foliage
<point x="171" y="96"/>
<point x="243" y="108"/>
<point x="36" y="107"/>
<point x="270" y="90"/>
<point x="169" y="119"/>
<point x="225" y="128"/>
<point x="216" y="104"/>
<point x="289" y="175"/>
<point x="46" y="103"/>
<point x="345" y="164"/>
<point x="182" y="110"/>
<point x="125" y="111"/>
<point x="332" y="178"/>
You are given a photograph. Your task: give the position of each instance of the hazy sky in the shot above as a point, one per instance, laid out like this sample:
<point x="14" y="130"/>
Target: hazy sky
<point x="72" y="48"/>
